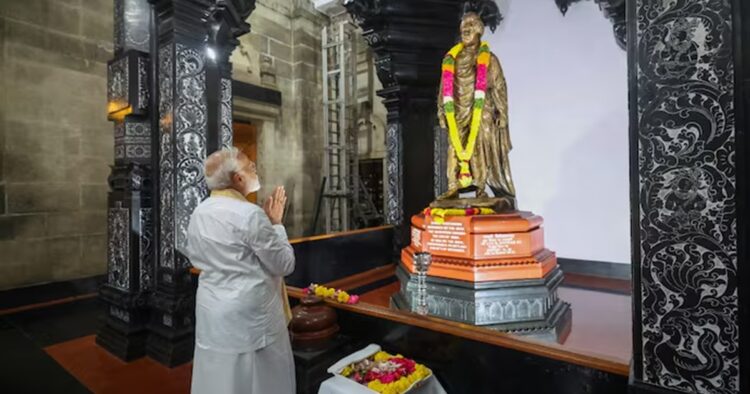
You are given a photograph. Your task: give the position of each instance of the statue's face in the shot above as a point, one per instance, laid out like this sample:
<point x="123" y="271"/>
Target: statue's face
<point x="472" y="29"/>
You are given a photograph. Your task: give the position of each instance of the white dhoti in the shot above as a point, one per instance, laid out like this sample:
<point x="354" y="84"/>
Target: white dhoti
<point x="264" y="371"/>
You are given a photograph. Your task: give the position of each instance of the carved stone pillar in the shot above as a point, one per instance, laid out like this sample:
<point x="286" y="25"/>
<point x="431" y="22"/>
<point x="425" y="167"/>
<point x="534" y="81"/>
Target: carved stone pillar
<point x="195" y="39"/>
<point x="409" y="39"/>
<point x="689" y="196"/>
<point x="130" y="267"/>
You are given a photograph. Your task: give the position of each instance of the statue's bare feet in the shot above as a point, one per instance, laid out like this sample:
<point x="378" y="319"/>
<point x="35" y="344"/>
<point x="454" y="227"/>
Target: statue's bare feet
<point x="449" y="195"/>
<point x="481" y="193"/>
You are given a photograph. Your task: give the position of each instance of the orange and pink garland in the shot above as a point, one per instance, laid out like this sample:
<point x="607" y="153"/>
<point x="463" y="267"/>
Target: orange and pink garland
<point x="464" y="154"/>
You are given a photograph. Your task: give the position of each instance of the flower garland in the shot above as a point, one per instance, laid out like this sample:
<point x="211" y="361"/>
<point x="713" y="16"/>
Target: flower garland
<point x="439" y="214"/>
<point x="480" y="86"/>
<point x="385" y="373"/>
<point x="330" y="293"/>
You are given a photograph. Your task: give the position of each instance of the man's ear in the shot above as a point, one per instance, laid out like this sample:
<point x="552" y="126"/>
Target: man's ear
<point x="236" y="177"/>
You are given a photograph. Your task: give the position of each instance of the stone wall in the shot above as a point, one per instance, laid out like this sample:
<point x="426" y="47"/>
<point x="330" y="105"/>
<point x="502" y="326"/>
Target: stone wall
<point x="283" y="52"/>
<point x="55" y="141"/>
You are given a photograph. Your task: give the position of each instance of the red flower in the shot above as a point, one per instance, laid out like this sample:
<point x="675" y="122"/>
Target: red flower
<point x="481" y="83"/>
<point x="389" y="377"/>
<point x="370" y="376"/>
<point x="406" y="365"/>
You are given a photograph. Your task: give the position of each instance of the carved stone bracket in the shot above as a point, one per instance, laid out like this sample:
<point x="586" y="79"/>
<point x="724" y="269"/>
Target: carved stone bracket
<point x="614" y="10"/>
<point x="127" y="85"/>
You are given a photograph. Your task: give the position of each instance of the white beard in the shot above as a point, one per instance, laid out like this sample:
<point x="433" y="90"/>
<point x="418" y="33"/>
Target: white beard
<point x="254" y="186"/>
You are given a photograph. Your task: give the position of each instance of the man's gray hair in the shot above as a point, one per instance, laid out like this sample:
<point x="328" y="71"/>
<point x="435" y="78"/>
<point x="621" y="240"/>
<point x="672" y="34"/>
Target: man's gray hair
<point x="220" y="166"/>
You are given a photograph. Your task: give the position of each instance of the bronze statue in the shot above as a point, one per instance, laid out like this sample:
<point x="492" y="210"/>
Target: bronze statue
<point x="477" y="153"/>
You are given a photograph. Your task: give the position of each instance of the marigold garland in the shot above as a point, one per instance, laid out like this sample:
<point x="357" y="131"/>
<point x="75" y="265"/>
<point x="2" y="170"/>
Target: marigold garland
<point x="334" y="294"/>
<point x="464" y="154"/>
<point x="439" y="214"/>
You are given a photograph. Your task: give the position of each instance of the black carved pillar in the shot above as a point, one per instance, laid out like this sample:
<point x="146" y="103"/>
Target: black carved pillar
<point x="195" y="39"/>
<point x="130" y="267"/>
<point x="409" y="39"/>
<point x="741" y="31"/>
<point x="689" y="196"/>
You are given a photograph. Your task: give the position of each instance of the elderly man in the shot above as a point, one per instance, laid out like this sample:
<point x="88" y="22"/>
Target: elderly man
<point x="241" y="339"/>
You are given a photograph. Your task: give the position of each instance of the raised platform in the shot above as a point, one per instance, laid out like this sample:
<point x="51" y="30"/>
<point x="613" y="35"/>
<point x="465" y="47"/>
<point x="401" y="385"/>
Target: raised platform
<point x="533" y="267"/>
<point x="486" y="270"/>
<point x="481" y="248"/>
<point x="526" y="307"/>
<point x="508" y="236"/>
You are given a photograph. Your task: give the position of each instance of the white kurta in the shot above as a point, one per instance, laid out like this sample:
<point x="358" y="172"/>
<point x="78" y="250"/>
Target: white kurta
<point x="241" y="340"/>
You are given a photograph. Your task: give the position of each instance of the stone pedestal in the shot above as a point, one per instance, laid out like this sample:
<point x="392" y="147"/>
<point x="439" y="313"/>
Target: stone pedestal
<point x="490" y="270"/>
<point x="124" y="330"/>
<point x="482" y="248"/>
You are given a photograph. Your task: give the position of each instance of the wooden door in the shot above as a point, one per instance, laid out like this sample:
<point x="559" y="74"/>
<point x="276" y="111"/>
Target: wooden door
<point x="246" y="140"/>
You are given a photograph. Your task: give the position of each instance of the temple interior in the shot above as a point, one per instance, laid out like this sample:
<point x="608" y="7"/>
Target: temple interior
<point x="609" y="262"/>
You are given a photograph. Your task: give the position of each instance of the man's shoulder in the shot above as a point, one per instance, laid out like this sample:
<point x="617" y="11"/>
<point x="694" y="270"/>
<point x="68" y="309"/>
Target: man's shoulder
<point x="223" y="210"/>
<point x="219" y="204"/>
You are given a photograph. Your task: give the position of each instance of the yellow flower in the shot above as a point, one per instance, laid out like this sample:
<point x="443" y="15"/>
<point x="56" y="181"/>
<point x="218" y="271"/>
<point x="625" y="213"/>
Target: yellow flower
<point x="456" y="49"/>
<point x="483" y="58"/>
<point x="420" y="372"/>
<point x="346" y="371"/>
<point x="343" y="297"/>
<point x="381" y="356"/>
<point x="376" y="386"/>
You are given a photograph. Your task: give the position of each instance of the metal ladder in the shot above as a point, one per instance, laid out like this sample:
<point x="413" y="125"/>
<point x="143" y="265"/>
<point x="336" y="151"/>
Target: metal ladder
<point x="339" y="122"/>
<point x="366" y="213"/>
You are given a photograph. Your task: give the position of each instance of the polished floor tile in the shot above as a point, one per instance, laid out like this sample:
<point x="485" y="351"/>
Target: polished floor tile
<point x="103" y="373"/>
<point x="26" y="368"/>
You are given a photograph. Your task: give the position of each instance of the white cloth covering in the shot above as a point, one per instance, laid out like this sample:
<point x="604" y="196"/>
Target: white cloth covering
<point x="241" y="338"/>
